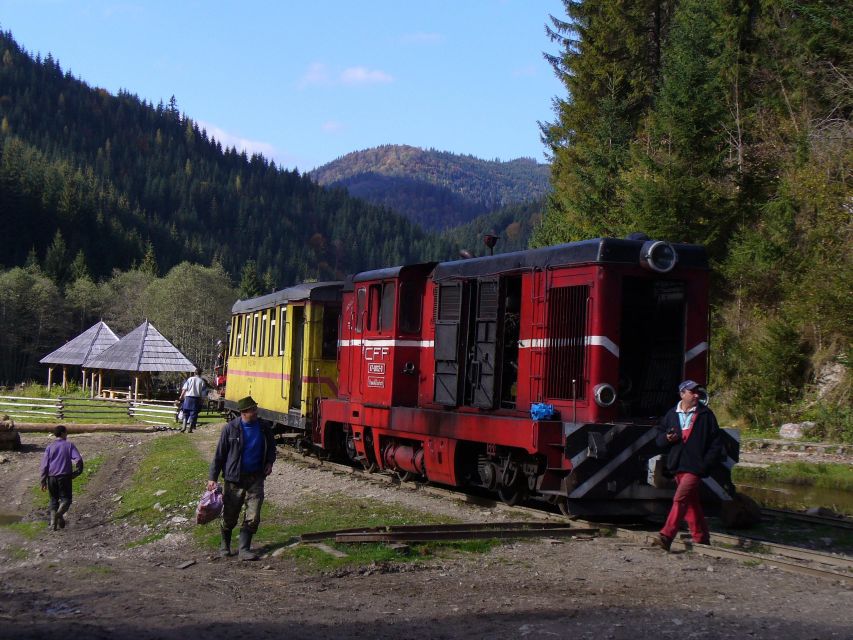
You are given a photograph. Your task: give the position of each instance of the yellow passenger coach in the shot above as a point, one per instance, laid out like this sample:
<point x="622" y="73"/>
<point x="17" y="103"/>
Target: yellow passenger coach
<point x="282" y="352"/>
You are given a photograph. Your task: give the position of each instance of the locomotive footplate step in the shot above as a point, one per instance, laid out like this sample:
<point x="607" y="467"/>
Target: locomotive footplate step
<point x="471" y="531"/>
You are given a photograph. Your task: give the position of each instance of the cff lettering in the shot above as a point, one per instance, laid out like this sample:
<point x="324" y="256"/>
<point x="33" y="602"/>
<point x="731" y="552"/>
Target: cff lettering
<point x="375" y="353"/>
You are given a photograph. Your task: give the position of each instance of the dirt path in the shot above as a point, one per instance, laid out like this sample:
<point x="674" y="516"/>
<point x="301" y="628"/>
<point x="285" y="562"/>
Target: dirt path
<point x="84" y="581"/>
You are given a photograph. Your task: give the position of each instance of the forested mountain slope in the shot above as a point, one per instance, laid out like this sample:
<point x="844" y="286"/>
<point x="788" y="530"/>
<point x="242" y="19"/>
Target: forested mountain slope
<point x="436" y="189"/>
<point x="118" y="177"/>
<point x="513" y="226"/>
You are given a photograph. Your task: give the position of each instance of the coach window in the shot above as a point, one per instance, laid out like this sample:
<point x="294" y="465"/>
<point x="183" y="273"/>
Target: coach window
<point x="270" y="350"/>
<point x="255" y="335"/>
<point x="247" y="333"/>
<point x="386" y="310"/>
<point x="282" y="325"/>
<point x="263" y="334"/>
<point x="360" y="308"/>
<point x="410" y="307"/>
<point x="236" y="328"/>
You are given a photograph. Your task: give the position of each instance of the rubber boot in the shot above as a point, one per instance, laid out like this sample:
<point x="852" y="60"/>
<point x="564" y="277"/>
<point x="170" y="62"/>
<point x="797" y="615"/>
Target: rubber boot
<point x="60" y="514"/>
<point x="225" y="545"/>
<point x="245" y="545"/>
<point x="52" y="525"/>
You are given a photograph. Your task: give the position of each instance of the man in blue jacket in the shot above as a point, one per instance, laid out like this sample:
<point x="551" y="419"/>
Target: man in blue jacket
<point x="244" y="455"/>
<point x="690" y="435"/>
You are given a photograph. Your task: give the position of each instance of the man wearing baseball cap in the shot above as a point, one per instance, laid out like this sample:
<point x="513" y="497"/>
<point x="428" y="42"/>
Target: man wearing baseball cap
<point x="690" y="435"/>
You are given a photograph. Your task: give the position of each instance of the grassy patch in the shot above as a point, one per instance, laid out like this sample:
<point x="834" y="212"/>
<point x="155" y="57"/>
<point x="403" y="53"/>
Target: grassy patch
<point x="822" y="475"/>
<point x="29" y="530"/>
<point x="151" y="537"/>
<point x="171" y="467"/>
<point x="18" y="553"/>
<point x="281" y="526"/>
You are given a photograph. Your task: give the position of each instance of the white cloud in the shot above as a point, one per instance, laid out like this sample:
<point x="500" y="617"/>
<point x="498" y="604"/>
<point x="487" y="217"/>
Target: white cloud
<point x="317" y="74"/>
<point x="421" y="38"/>
<point x="241" y="144"/>
<point x="332" y="126"/>
<point x="363" y="75"/>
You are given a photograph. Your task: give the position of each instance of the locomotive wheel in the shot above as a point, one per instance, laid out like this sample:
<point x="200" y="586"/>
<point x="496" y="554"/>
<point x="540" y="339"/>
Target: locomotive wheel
<point x="512" y="495"/>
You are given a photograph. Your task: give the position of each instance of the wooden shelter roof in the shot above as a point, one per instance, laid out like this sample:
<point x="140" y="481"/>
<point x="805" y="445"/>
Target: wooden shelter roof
<point x="143" y="349"/>
<point x="89" y="344"/>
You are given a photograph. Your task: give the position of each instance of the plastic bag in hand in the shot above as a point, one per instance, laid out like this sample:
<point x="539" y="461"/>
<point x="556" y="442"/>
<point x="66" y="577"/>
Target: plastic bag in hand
<point x="209" y="507"/>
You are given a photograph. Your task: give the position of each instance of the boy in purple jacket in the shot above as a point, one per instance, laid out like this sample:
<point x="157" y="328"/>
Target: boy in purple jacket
<point x="56" y="474"/>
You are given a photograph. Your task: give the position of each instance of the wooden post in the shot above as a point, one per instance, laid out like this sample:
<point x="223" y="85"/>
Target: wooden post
<point x="49" y="375"/>
<point x="92" y="385"/>
<point x="84" y="379"/>
<point x="64" y="378"/>
<point x="100" y="382"/>
<point x="136" y="387"/>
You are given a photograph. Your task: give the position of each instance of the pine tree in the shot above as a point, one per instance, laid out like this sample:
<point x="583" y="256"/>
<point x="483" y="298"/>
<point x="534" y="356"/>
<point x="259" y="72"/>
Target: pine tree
<point x="55" y="260"/>
<point x="250" y="284"/>
<point x="609" y="63"/>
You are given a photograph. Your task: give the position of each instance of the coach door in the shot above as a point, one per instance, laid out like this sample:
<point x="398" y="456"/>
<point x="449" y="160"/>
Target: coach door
<point x="298" y="321"/>
<point x="448" y="321"/>
<point x="482" y="370"/>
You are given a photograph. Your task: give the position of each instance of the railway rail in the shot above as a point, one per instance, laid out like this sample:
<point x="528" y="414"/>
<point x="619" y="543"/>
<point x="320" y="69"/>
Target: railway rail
<point x="838" y="567"/>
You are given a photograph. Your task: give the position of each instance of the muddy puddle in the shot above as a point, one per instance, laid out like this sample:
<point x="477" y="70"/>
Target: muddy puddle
<point x="797" y="497"/>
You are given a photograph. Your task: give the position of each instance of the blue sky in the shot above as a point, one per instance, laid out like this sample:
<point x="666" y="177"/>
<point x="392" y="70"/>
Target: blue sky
<point x="306" y="82"/>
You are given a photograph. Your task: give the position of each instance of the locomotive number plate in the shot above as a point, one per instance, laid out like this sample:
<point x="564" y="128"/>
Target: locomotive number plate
<point x="376" y="367"/>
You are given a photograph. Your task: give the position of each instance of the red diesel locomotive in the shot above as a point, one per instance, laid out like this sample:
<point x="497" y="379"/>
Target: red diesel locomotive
<point x="439" y="366"/>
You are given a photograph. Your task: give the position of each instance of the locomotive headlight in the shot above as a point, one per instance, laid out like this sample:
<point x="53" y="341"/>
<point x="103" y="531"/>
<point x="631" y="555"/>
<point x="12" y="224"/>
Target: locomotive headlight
<point x="703" y="396"/>
<point x="604" y="394"/>
<point x="658" y="255"/>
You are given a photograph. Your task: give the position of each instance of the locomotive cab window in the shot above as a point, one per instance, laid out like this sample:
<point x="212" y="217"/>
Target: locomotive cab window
<point x="410" y="307"/>
<point x="386" y="309"/>
<point x="380" y="315"/>
<point x="360" y="309"/>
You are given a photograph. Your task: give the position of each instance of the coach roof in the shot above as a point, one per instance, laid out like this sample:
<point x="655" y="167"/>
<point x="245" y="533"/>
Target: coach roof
<point x="313" y="291"/>
<point x="599" y="250"/>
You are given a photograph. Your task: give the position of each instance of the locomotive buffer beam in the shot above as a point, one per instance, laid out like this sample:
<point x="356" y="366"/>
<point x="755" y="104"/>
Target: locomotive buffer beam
<point x="430" y="533"/>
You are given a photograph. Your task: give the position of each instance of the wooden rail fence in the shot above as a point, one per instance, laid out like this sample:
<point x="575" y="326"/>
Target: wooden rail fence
<point x="154" y="412"/>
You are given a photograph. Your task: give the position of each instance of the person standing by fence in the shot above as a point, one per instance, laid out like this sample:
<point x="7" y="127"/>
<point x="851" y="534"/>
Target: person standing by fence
<point x="192" y="396"/>
<point x="57" y="473"/>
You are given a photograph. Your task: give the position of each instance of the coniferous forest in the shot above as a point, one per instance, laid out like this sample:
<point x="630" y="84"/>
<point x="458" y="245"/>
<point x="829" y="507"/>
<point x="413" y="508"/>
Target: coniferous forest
<point x="115" y="175"/>
<point x="725" y="123"/>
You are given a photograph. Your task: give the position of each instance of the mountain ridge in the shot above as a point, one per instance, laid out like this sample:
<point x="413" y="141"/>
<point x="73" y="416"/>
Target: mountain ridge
<point x="436" y="189"/>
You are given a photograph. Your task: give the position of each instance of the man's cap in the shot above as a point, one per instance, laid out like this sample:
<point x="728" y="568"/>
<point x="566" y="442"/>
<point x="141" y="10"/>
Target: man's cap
<point x="244" y="404"/>
<point x="687" y="384"/>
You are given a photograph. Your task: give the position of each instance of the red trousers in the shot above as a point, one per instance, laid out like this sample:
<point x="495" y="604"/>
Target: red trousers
<point x="686" y="505"/>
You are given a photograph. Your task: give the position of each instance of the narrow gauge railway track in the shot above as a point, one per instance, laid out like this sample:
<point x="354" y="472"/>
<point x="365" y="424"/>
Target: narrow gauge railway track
<point x="838" y="522"/>
<point x="743" y="548"/>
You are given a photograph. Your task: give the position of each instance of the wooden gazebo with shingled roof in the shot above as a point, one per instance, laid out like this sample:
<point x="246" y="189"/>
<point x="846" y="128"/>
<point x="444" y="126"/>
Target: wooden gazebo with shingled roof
<point x="141" y="352"/>
<point x="89" y="344"/>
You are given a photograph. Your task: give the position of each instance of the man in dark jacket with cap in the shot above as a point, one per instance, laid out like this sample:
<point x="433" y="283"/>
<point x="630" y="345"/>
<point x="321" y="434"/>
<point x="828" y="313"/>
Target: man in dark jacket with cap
<point x="691" y="437"/>
<point x="244" y="455"/>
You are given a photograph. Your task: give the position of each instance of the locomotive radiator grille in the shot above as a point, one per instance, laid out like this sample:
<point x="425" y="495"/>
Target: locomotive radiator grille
<point x="566" y="353"/>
